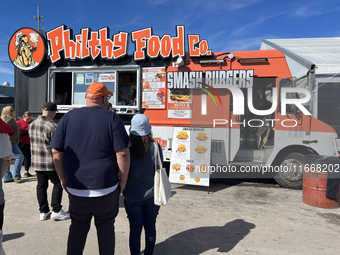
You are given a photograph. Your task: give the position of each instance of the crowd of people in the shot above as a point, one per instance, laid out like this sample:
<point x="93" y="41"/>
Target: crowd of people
<point x="91" y="157"/>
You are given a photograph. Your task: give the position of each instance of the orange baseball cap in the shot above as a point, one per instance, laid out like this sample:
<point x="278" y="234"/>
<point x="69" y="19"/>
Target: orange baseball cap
<point x="97" y="90"/>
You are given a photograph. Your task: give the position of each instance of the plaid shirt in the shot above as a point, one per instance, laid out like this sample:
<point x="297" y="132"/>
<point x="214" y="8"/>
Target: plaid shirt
<point x="41" y="133"/>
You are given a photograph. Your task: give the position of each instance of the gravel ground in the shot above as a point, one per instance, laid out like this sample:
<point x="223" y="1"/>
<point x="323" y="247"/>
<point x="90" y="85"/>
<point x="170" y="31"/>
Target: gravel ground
<point x="235" y="217"/>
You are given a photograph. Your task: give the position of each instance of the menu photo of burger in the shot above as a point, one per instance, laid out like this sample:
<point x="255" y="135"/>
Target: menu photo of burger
<point x="181" y="148"/>
<point x="200" y="149"/>
<point x="202" y="137"/>
<point x="160" y="74"/>
<point x="182" y="135"/>
<point x="180" y="96"/>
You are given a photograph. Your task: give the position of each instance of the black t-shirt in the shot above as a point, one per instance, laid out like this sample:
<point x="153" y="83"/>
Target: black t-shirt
<point x="89" y="138"/>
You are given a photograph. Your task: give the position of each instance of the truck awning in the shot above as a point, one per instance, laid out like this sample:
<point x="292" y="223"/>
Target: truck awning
<point x="307" y="53"/>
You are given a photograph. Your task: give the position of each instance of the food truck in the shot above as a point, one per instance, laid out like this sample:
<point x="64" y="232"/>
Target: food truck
<point x="243" y="109"/>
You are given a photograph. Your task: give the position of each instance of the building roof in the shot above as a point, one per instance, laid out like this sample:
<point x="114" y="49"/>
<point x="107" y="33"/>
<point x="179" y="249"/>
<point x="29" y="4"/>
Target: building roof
<point x="6" y="99"/>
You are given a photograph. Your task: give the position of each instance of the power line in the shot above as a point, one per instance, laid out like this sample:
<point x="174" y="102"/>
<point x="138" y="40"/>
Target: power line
<point x="27" y="2"/>
<point x="36" y="17"/>
<point x="52" y="17"/>
<point x="16" y="12"/>
<point x="51" y="20"/>
<point x="14" y="7"/>
<point x="5" y="32"/>
<point x="39" y="18"/>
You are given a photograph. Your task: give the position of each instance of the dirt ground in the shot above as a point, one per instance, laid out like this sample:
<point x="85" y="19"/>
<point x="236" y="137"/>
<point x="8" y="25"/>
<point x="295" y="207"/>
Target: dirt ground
<point x="233" y="218"/>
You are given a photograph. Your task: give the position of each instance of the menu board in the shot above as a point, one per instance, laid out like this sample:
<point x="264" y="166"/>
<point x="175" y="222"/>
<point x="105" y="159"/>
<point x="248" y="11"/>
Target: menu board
<point x="190" y="156"/>
<point x="153" y="95"/>
<point x="179" y="104"/>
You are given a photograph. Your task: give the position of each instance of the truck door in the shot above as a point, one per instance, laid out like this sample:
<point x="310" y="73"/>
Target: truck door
<point x="255" y="127"/>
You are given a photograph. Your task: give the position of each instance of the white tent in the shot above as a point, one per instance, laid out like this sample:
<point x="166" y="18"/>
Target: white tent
<point x="321" y="54"/>
<point x="314" y="63"/>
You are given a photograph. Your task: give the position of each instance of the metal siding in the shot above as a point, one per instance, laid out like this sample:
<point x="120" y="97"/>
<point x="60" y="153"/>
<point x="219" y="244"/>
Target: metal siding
<point x="37" y="90"/>
<point x="30" y="91"/>
<point x="20" y="87"/>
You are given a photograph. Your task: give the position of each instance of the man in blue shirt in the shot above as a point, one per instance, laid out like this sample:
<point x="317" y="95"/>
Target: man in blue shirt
<point x="92" y="158"/>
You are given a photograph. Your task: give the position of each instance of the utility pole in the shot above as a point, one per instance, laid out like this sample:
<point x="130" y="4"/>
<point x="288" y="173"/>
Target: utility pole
<point x="38" y="18"/>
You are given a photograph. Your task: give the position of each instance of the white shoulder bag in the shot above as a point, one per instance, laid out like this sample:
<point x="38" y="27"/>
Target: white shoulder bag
<point x="6" y="146"/>
<point x="162" y="187"/>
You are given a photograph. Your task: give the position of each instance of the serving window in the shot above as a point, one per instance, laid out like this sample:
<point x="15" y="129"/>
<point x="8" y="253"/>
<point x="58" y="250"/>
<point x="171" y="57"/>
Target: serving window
<point x="68" y="86"/>
<point x="127" y="88"/>
<point x="82" y="80"/>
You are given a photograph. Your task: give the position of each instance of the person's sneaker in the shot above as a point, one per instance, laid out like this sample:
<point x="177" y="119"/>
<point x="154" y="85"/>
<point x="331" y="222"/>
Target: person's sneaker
<point x="45" y="216"/>
<point x="61" y="215"/>
<point x="17" y="180"/>
<point x="10" y="180"/>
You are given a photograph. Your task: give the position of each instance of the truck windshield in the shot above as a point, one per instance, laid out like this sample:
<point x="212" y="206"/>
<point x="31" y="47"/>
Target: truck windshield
<point x="291" y="108"/>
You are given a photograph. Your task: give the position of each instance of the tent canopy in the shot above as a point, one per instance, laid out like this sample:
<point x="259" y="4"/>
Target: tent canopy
<point x="323" y="53"/>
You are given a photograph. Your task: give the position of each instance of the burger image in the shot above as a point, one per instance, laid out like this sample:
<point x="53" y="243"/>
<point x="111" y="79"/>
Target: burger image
<point x="181" y="148"/>
<point x="160" y="74"/>
<point x="182" y="177"/>
<point x="190" y="168"/>
<point x="202" y="137"/>
<point x="176" y="167"/>
<point x="200" y="149"/>
<point x="180" y="95"/>
<point x="182" y="135"/>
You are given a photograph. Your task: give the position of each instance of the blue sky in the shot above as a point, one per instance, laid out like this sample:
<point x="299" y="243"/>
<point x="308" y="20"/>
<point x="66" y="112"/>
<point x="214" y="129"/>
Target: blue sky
<point x="228" y="25"/>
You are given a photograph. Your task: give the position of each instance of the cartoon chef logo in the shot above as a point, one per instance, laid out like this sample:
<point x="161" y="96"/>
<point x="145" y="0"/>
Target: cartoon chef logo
<point x="27" y="49"/>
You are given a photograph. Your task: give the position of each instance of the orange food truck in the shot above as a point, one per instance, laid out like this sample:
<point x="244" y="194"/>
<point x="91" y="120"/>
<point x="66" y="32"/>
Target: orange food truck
<point x="256" y="118"/>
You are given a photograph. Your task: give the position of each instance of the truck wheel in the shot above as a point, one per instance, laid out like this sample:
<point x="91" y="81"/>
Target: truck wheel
<point x="290" y="174"/>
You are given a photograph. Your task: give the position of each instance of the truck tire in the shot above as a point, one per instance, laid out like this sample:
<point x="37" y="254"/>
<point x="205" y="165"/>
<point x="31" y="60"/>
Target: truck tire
<point x="293" y="178"/>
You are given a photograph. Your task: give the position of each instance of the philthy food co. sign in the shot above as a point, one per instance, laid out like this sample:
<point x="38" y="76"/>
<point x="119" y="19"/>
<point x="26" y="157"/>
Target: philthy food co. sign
<point x="27" y="47"/>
